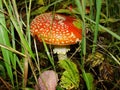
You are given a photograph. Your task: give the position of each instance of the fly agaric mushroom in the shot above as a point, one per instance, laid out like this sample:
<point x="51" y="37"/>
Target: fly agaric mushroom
<point x="58" y="30"/>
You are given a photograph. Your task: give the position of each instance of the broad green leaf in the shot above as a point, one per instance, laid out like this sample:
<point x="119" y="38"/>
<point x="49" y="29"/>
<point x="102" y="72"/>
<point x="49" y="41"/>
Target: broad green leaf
<point x="59" y="88"/>
<point x="70" y="78"/>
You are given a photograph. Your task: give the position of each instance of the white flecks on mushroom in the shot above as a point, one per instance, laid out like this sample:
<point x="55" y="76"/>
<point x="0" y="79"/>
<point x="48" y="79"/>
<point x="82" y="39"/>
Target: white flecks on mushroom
<point x="61" y="23"/>
<point x="78" y="40"/>
<point x="56" y="29"/>
<point x="72" y="35"/>
<point x="61" y="50"/>
<point x="59" y="17"/>
<point x="36" y="30"/>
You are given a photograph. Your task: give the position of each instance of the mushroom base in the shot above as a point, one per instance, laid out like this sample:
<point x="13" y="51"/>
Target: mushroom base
<point x="62" y="56"/>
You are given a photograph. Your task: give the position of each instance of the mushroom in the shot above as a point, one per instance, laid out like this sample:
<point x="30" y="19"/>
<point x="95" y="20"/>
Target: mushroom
<point x="58" y="30"/>
<point x="47" y="80"/>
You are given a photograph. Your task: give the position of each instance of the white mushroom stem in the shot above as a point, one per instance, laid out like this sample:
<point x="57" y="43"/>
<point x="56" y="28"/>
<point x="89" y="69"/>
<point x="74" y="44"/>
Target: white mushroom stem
<point x="61" y="52"/>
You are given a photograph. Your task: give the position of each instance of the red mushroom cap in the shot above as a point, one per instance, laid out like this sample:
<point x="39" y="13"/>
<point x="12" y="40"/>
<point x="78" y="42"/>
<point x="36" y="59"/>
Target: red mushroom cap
<point x="56" y="29"/>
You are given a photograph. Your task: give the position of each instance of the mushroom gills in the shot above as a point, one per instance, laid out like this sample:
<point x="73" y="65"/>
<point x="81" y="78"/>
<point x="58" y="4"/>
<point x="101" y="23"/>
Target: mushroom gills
<point x="61" y="51"/>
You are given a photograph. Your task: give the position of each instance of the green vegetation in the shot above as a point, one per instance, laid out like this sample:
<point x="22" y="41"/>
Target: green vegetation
<point x="70" y="77"/>
<point x="93" y="64"/>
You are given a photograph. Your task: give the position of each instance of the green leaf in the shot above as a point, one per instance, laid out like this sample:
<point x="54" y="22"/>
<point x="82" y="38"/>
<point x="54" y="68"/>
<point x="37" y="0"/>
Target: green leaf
<point x="78" y="23"/>
<point x="64" y="11"/>
<point x="39" y="10"/>
<point x="27" y="88"/>
<point x="88" y="80"/>
<point x="70" y="78"/>
<point x="59" y="88"/>
<point x="44" y="8"/>
<point x="113" y="20"/>
<point x="41" y="2"/>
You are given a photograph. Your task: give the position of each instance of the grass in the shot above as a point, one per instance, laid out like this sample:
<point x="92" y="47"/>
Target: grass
<point x="98" y="4"/>
<point x="20" y="58"/>
<point x="11" y="58"/>
<point x="7" y="55"/>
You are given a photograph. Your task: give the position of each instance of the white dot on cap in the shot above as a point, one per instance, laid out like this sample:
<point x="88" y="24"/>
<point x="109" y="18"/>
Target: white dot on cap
<point x="77" y="40"/>
<point x="72" y="35"/>
<point x="54" y="29"/>
<point x="36" y="30"/>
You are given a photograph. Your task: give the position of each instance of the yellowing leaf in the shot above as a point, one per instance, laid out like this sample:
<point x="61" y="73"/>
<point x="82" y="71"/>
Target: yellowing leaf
<point x="112" y="20"/>
<point x="41" y="2"/>
<point x="78" y="23"/>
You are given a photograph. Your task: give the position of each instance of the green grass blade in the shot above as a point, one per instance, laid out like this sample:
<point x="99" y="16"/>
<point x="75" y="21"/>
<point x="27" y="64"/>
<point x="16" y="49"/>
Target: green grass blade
<point x="105" y="29"/>
<point x="11" y="49"/>
<point x="5" y="40"/>
<point x="18" y="27"/>
<point x="11" y="7"/>
<point x="81" y="10"/>
<point x="91" y="9"/>
<point x="114" y="58"/>
<point x="28" y="9"/>
<point x="88" y="79"/>
<point x="98" y="4"/>
<point x="48" y="54"/>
